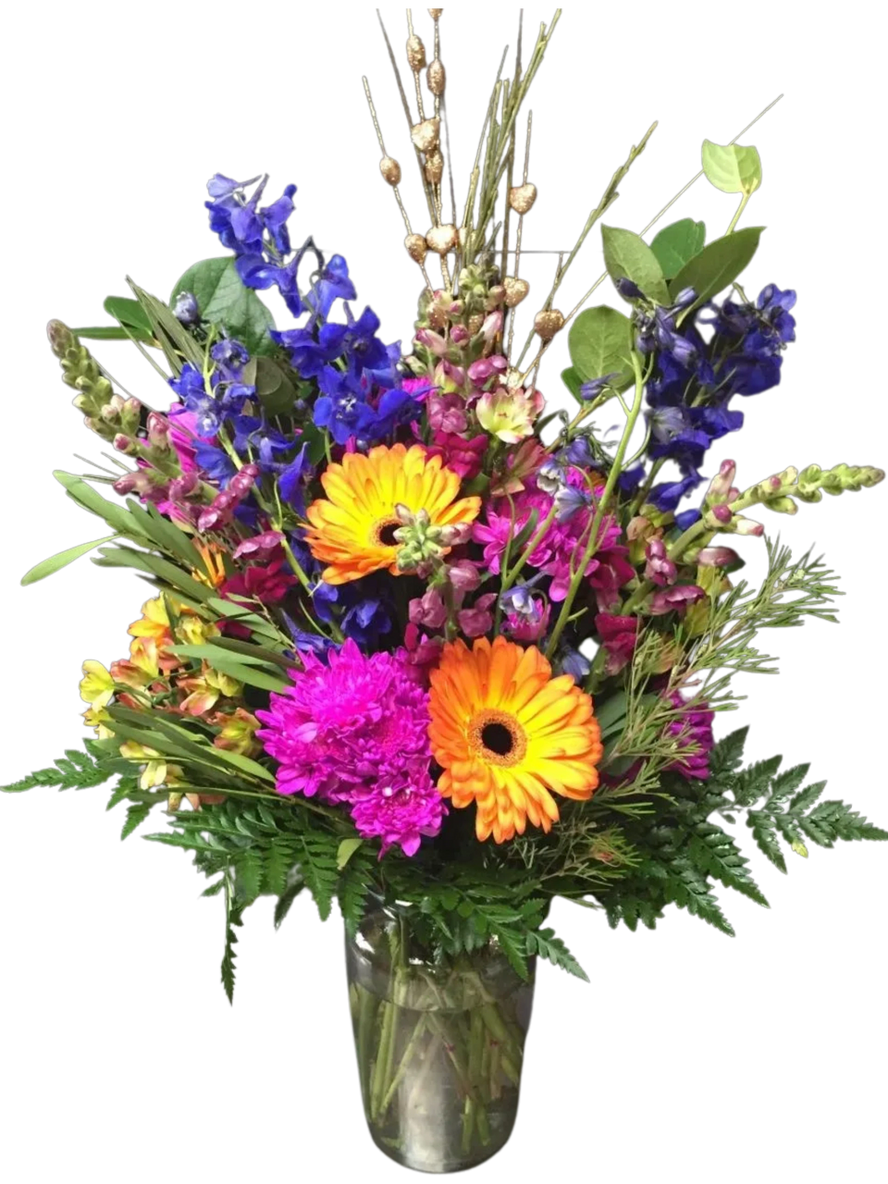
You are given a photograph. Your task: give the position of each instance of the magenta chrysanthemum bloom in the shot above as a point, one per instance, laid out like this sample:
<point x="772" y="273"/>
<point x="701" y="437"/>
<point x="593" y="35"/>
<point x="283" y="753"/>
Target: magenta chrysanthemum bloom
<point x="694" y="728"/>
<point x="608" y="569"/>
<point x="354" y="730"/>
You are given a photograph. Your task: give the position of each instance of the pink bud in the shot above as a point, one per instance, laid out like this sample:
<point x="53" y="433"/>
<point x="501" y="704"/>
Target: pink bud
<point x="158" y="428"/>
<point x="747" y="526"/>
<point x="459" y="335"/>
<point x="722" y="513"/>
<point x="721" y="484"/>
<point x="717" y="557"/>
<point x="429" y="610"/>
<point x="124" y="443"/>
<point x="464" y="576"/>
<point x="493" y="324"/>
<point x="432" y="341"/>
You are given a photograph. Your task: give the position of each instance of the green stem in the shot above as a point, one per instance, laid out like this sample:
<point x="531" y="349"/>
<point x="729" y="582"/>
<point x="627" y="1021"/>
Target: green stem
<point x="540" y="533"/>
<point x="604" y="502"/>
<point x="383" y="1059"/>
<point x="740" y="209"/>
<point x="403" y="1065"/>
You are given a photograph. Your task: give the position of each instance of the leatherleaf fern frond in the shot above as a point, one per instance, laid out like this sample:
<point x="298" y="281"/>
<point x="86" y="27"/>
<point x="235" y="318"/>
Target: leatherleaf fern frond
<point x="684" y="849"/>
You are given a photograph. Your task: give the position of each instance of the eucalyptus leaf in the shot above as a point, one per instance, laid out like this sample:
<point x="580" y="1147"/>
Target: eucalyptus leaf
<point x="627" y="255"/>
<point x="677" y="244"/>
<point x="56" y="562"/>
<point x="731" y="167"/>
<point x="223" y="298"/>
<point x="717" y="265"/>
<point x="600" y="343"/>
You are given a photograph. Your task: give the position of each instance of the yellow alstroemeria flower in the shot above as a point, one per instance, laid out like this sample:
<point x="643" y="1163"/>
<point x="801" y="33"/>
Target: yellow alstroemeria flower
<point x="143" y="655"/>
<point x="97" y="685"/>
<point x="205" y="690"/>
<point x="156" y="771"/>
<point x="98" y="719"/>
<point x="194" y="630"/>
<point x="154" y="622"/>
<point x="236" y="733"/>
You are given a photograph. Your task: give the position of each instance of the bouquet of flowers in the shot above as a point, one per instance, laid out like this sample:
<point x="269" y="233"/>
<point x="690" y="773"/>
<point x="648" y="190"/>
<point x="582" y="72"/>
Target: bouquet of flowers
<point x="418" y="644"/>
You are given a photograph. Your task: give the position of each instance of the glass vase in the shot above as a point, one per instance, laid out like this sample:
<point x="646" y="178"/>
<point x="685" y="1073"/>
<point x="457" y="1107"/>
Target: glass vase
<point x="439" y="1042"/>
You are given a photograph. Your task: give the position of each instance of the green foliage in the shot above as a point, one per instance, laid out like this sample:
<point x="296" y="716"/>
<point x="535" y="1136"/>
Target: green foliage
<point x="677" y="244"/>
<point x="731" y="167"/>
<point x="275" y="383"/>
<point x="56" y="562"/>
<point x="544" y="943"/>
<point x="627" y="255"/>
<point x="174" y="339"/>
<point x="600" y="343"/>
<point x="223" y="299"/>
<point x="75" y="770"/>
<point x="717" y="265"/>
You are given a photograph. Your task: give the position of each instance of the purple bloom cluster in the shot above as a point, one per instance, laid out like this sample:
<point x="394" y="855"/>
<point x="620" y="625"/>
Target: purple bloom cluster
<point x="695" y="379"/>
<point x="694" y="732"/>
<point x="353" y="730"/>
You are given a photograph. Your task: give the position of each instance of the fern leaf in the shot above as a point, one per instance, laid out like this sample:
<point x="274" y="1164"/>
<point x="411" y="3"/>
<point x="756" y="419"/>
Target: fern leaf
<point x="285" y="901"/>
<point x="75" y="770"/>
<point x="715" y="853"/>
<point x="278" y="861"/>
<point x="135" y="815"/>
<point x="317" y="859"/>
<point x="727" y="755"/>
<point x="547" y="945"/>
<point x="763" y="832"/>
<point x="249" y="874"/>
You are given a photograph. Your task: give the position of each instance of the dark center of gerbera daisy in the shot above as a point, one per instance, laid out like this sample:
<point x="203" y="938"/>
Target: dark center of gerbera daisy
<point x="385" y="533"/>
<point x="497" y="738"/>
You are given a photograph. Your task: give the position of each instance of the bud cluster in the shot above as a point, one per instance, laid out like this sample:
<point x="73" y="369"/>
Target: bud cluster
<point x="422" y="546"/>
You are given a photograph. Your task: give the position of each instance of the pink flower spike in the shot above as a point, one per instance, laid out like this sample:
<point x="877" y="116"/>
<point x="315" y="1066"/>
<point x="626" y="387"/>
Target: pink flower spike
<point x="260" y="546"/>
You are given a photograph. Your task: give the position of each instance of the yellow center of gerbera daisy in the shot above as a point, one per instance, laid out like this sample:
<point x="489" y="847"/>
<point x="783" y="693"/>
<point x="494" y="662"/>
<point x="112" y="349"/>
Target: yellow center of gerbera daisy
<point x="352" y="528"/>
<point x="508" y="735"/>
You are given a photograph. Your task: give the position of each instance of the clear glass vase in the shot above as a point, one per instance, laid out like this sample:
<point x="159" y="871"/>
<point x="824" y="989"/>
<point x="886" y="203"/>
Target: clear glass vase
<point x="440" y="1044"/>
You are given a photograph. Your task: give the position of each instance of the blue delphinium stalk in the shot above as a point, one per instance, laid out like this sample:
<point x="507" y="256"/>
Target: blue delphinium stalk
<point x="695" y="379"/>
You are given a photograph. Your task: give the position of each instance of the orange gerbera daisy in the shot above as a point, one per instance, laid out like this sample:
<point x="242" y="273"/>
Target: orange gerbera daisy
<point x="508" y="735"/>
<point x="352" y="529"/>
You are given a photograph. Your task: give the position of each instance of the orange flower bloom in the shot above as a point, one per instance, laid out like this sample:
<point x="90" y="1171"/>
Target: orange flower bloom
<point x="508" y="735"/>
<point x="352" y="528"/>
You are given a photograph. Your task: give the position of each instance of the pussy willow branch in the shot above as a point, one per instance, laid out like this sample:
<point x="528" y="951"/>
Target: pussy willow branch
<point x="584" y="300"/>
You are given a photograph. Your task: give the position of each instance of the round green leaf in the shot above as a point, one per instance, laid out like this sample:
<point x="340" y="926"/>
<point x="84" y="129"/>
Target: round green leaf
<point x="600" y="343"/>
<point x="677" y="244"/>
<point x="627" y="254"/>
<point x="718" y="264"/>
<point x="731" y="167"/>
<point x="274" y="386"/>
<point x="221" y="297"/>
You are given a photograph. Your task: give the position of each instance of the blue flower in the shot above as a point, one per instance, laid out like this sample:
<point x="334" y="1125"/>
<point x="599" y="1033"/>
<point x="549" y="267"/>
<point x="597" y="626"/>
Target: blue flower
<point x="667" y="495"/>
<point x="359" y="609"/>
<point x="230" y="358"/>
<point x="291" y="480"/>
<point x="575" y="664"/>
<point x="214" y="462"/>
<point x="332" y="283"/>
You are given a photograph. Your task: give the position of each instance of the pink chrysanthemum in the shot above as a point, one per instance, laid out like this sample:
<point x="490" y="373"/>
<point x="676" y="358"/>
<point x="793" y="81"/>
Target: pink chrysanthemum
<point x="353" y="730"/>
